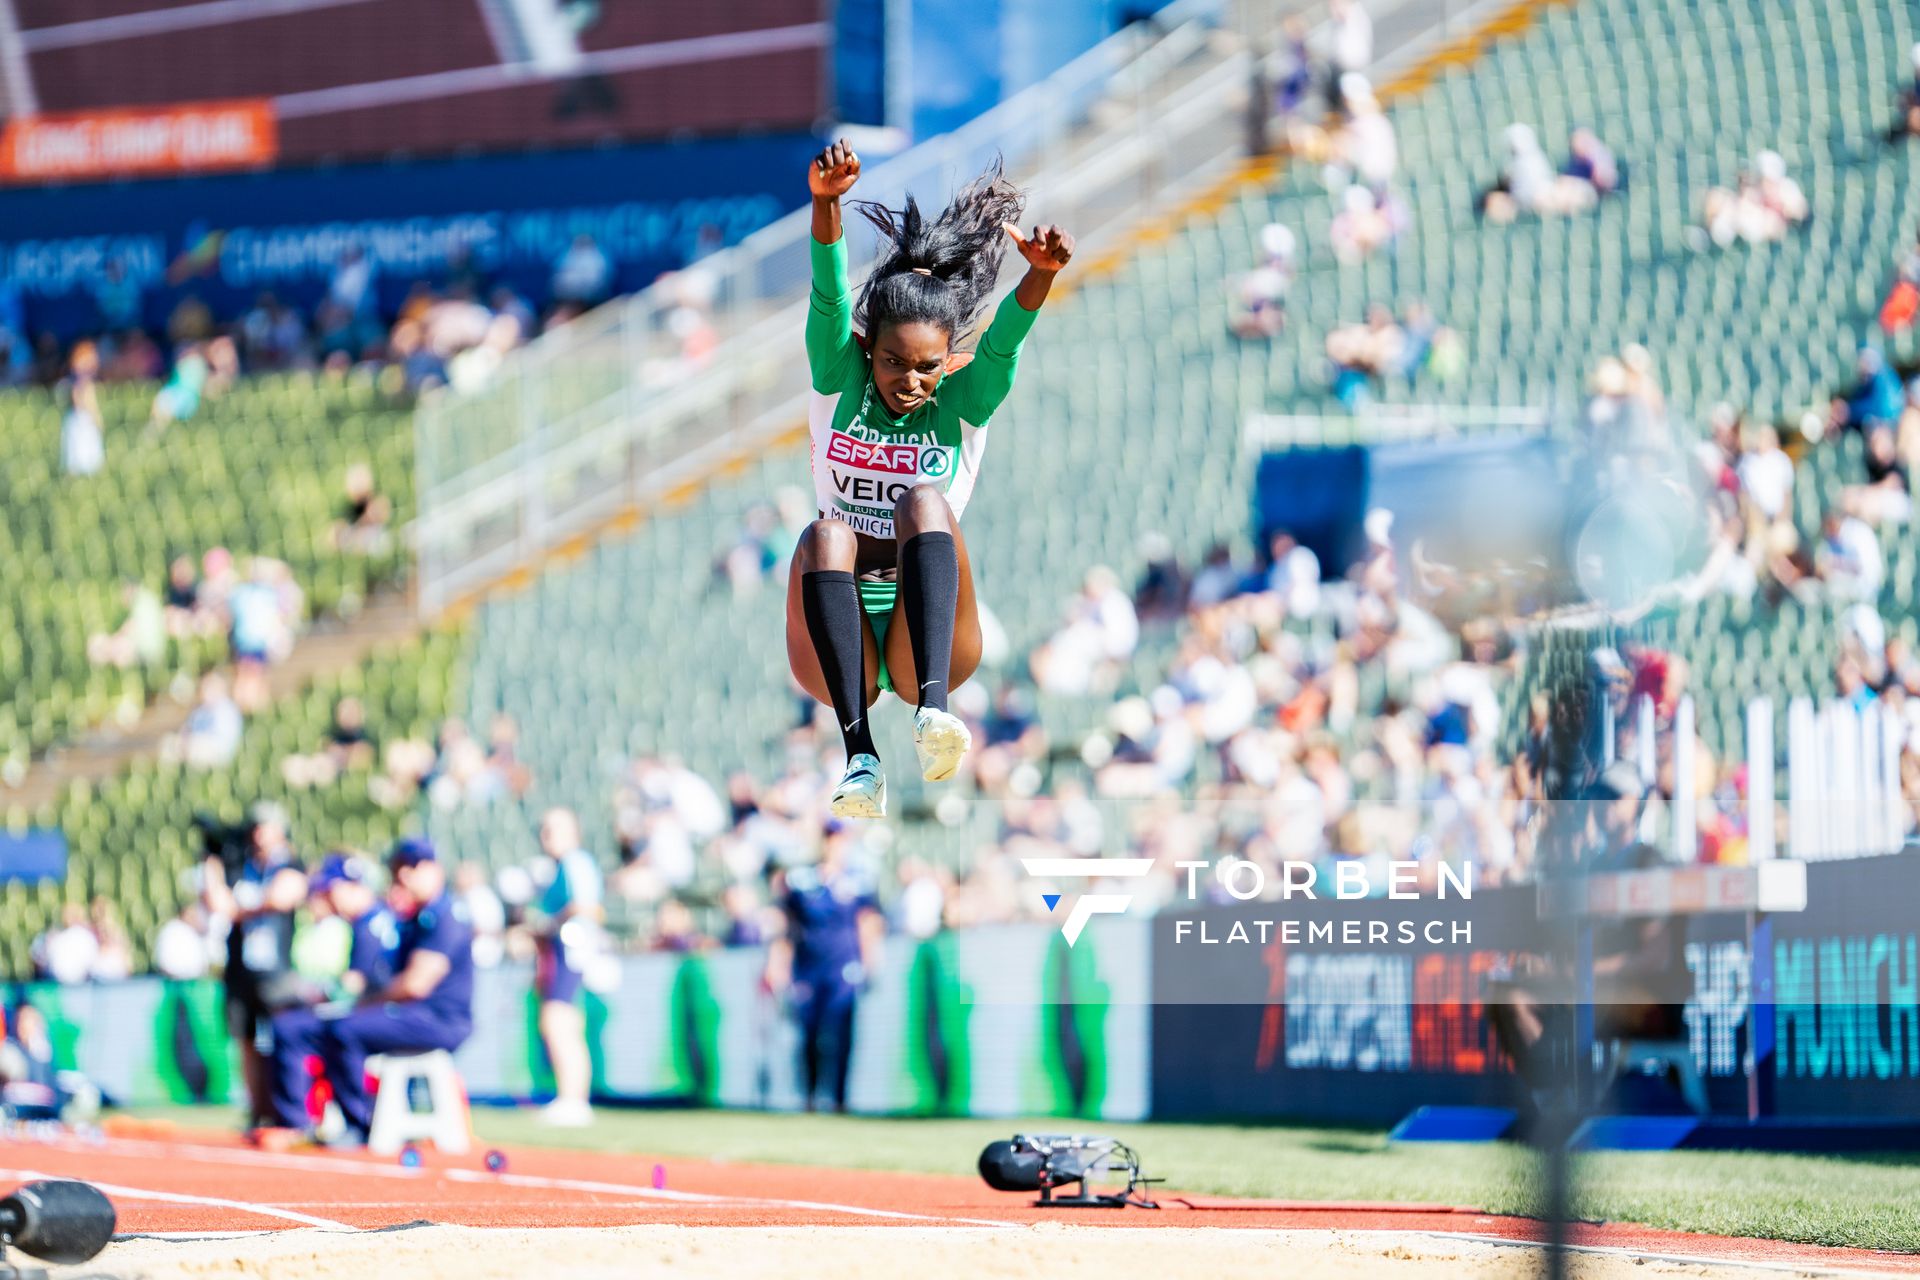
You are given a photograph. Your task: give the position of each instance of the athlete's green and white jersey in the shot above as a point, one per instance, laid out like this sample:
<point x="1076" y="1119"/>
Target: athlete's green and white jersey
<point x="864" y="458"/>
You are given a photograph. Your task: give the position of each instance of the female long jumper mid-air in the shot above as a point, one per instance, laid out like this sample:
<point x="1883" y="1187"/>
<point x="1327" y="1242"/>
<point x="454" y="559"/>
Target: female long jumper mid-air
<point x="899" y="424"/>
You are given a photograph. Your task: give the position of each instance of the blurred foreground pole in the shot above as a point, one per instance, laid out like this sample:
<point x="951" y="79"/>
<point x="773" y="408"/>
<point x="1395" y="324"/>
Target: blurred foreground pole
<point x="1760" y="780"/>
<point x="896" y="61"/>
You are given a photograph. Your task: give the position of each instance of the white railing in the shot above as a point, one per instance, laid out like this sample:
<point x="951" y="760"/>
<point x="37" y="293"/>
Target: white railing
<point x="606" y="411"/>
<point x="1844" y="796"/>
<point x="1391" y="424"/>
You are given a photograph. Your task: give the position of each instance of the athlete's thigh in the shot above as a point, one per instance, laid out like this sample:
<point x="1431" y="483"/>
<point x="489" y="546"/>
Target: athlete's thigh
<point x="804" y="661"/>
<point x="966" y="634"/>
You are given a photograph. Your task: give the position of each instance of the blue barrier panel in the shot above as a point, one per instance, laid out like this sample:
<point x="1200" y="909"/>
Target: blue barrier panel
<point x="1454" y="1124"/>
<point x="39" y="854"/>
<point x="1634" y="1133"/>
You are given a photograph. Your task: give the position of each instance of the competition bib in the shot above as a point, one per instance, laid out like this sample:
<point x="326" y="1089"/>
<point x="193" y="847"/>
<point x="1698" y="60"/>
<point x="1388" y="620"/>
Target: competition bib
<point x="869" y="475"/>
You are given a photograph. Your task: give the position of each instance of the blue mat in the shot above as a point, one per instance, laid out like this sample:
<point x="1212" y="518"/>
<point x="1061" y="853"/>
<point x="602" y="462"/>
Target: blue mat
<point x="1454" y="1124"/>
<point x="1635" y="1133"/>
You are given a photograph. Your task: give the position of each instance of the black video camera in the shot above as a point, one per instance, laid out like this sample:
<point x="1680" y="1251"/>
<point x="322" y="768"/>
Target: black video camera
<point x="1050" y="1163"/>
<point x="231" y="842"/>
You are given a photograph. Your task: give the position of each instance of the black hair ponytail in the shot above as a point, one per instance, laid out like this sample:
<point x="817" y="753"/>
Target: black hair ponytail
<point x="939" y="272"/>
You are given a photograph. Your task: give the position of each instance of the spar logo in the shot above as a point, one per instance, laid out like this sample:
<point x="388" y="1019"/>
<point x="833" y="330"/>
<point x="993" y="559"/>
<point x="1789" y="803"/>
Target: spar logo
<point x="1087" y="905"/>
<point x="894" y="459"/>
<point x="934" y="461"/>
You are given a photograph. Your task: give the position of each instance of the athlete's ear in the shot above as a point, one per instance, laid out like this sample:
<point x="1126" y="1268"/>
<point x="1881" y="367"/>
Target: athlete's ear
<point x="956" y="361"/>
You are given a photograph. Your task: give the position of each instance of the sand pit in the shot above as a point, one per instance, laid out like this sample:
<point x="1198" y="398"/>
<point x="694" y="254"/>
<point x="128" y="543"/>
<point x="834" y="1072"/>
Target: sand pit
<point x="1042" y="1252"/>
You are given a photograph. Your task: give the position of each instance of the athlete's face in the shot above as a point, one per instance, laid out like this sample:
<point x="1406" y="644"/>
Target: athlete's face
<point x="908" y="360"/>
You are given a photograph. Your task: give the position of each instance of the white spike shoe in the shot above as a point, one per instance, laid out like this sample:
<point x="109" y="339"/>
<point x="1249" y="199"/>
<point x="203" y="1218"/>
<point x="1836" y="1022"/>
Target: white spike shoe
<point x="862" y="792"/>
<point x="941" y="739"/>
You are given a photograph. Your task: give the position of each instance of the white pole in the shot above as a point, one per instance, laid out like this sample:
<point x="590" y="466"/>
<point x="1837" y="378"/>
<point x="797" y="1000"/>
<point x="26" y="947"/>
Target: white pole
<point x="1760" y="780"/>
<point x="1892" y="739"/>
<point x="1648" y="760"/>
<point x="1866" y="789"/>
<point x="1843" y="775"/>
<point x="1802" y="779"/>
<point x="1686" y="831"/>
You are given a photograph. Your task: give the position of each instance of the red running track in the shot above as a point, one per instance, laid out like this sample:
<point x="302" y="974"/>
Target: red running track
<point x="216" y="1183"/>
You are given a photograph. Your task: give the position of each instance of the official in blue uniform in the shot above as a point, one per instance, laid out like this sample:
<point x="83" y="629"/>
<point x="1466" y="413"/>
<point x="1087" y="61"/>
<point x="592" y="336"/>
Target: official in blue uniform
<point x="342" y="888"/>
<point x="567" y="927"/>
<point x="832" y="945"/>
<point x="429" y="1002"/>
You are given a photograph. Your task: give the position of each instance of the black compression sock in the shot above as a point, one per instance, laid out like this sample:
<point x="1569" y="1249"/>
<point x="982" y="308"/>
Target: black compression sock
<point x="834" y="623"/>
<point x="930" y="592"/>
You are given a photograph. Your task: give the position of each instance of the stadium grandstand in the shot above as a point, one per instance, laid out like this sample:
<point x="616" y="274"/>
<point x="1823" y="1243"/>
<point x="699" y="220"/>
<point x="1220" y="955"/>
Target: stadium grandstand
<point x="1423" y="446"/>
<point x="1156" y="443"/>
<point x="345" y="79"/>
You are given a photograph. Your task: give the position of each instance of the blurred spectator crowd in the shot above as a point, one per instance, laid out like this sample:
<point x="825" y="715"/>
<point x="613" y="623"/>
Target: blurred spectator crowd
<point x="453" y="330"/>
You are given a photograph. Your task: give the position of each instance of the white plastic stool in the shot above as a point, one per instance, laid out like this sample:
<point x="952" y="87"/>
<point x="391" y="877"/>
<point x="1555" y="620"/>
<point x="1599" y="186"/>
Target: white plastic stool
<point x="396" y="1123"/>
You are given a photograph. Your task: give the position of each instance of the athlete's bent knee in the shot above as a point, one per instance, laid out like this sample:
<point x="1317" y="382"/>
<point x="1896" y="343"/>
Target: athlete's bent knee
<point x="925" y="508"/>
<point x="826" y="544"/>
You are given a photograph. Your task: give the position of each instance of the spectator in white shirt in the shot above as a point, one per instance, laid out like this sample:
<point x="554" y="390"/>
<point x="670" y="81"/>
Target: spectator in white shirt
<point x="485" y="913"/>
<point x="1349" y="46"/>
<point x="1849" y="558"/>
<point x="211" y="737"/>
<point x="583" y="274"/>
<point x="1366" y="144"/>
<point x="1528" y="183"/>
<point x="181" y="950"/>
<point x="67" y="954"/>
<point x="1294" y="576"/>
<point x="1766" y="485"/>
<point x="1100" y="633"/>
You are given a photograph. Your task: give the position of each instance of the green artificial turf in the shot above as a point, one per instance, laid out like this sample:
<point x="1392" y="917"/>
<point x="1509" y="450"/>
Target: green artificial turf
<point x="1862" y="1201"/>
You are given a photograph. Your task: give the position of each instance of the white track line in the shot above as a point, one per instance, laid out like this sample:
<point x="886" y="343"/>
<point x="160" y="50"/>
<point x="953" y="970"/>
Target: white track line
<point x="211" y="1202"/>
<point x="363" y="1168"/>
<point x="337" y="1164"/>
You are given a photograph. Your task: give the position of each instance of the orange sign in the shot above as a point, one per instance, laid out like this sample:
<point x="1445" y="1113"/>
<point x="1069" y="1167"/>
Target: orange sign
<point x="185" y="137"/>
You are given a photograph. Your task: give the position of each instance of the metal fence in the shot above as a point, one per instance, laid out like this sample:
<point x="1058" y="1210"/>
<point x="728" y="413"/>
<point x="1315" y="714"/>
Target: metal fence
<point x="613" y="408"/>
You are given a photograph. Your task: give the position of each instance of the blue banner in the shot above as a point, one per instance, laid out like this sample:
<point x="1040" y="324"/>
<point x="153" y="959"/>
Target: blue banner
<point x="226" y="239"/>
<point x="32" y="856"/>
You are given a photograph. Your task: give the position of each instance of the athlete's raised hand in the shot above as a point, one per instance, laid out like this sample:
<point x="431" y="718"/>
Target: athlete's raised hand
<point x="833" y="172"/>
<point x="1048" y="249"/>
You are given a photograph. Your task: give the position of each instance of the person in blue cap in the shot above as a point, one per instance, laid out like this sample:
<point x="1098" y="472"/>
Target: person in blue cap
<point x="832" y="945"/>
<point x="343" y="889"/>
<point x="428" y="1003"/>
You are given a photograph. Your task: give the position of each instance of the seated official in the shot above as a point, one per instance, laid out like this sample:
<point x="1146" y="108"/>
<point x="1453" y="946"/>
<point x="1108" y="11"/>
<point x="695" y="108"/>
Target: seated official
<point x="31" y="1086"/>
<point x="428" y="1004"/>
<point x="362" y="934"/>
